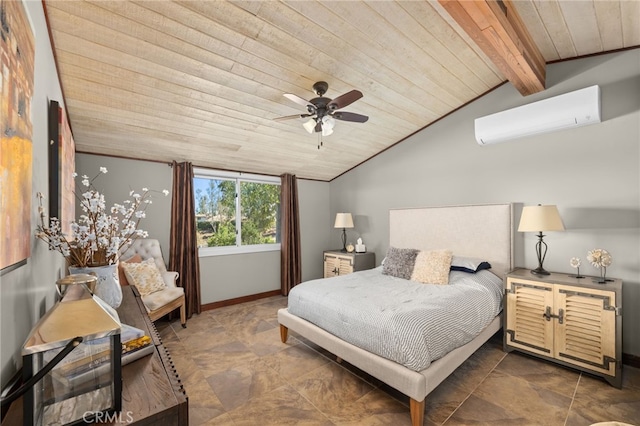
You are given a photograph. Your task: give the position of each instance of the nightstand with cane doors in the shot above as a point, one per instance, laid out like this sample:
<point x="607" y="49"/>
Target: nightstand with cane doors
<point x="575" y="322"/>
<point x="337" y="262"/>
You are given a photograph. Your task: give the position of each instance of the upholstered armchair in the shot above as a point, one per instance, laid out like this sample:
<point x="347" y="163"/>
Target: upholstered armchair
<point x="158" y="303"/>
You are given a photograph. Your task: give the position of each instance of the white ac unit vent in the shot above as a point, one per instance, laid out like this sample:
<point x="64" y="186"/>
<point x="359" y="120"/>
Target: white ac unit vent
<point x="572" y="109"/>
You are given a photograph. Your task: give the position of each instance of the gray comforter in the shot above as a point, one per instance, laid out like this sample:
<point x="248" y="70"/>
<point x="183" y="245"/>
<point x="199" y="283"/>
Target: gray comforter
<point x="407" y="322"/>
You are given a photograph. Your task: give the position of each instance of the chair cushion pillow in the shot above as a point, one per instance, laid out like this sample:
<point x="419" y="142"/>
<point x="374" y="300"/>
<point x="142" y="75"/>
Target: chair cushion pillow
<point x="159" y="299"/>
<point x="145" y="276"/>
<point x="121" y="275"/>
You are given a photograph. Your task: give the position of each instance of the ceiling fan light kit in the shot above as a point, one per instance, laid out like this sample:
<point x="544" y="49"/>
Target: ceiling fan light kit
<point x="328" y="123"/>
<point x="323" y="112"/>
<point x="309" y="125"/>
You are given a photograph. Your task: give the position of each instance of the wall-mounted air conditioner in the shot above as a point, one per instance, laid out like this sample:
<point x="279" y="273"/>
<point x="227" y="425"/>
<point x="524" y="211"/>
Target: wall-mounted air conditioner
<point x="572" y="109"/>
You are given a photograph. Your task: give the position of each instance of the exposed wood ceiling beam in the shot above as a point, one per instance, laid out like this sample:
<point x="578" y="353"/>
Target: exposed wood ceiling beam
<point x="498" y="30"/>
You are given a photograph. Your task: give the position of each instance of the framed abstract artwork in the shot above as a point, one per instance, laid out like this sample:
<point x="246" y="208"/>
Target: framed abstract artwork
<point x="61" y="168"/>
<point x="17" y="57"/>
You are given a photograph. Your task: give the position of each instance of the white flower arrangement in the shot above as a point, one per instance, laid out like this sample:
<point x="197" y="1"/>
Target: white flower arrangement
<point x="599" y="258"/>
<point x="99" y="233"/>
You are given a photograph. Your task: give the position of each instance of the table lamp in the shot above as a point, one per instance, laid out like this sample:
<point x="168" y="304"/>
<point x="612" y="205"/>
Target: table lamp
<point x="537" y="219"/>
<point x="344" y="221"/>
<point x="61" y="358"/>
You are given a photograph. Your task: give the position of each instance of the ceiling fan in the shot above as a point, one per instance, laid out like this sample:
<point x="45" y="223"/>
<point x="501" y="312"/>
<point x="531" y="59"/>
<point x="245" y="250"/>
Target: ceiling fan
<point x="323" y="112"/>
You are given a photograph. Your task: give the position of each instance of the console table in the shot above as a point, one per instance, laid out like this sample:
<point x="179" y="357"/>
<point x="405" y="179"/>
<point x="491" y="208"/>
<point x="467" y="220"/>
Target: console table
<point x="151" y="389"/>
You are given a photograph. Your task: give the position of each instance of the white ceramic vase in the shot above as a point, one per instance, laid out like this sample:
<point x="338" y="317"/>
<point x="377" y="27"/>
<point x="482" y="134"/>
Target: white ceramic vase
<point x="108" y="285"/>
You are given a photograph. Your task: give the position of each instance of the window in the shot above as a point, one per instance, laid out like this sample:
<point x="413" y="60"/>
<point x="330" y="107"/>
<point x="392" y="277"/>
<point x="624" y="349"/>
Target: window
<point x="236" y="212"/>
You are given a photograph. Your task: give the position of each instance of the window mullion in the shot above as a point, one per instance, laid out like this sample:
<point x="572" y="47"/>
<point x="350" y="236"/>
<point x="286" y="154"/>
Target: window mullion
<point x="238" y="215"/>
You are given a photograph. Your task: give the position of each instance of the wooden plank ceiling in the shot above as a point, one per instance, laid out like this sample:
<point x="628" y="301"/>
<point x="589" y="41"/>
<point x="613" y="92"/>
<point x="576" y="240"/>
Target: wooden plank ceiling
<point x="202" y="81"/>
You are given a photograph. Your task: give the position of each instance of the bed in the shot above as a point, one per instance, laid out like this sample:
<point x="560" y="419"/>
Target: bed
<point x="475" y="231"/>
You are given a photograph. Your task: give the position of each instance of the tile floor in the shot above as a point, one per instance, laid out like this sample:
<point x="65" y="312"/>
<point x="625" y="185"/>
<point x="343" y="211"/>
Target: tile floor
<point x="237" y="372"/>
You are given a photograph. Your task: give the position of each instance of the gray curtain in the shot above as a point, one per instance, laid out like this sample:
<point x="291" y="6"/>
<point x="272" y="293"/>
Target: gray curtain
<point x="290" y="263"/>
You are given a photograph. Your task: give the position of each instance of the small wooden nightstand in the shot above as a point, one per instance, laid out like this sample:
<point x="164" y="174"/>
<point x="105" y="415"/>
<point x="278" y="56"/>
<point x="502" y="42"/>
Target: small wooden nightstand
<point x="575" y="322"/>
<point x="337" y="262"/>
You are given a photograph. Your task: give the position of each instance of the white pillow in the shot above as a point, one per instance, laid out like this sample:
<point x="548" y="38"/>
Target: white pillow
<point x="145" y="276"/>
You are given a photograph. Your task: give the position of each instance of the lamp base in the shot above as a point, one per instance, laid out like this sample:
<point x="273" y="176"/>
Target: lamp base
<point x="540" y="271"/>
<point x="541" y="252"/>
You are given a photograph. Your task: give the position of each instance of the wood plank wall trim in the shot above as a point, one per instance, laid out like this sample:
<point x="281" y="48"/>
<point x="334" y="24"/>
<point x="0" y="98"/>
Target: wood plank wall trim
<point x="631" y="360"/>
<point x="243" y="299"/>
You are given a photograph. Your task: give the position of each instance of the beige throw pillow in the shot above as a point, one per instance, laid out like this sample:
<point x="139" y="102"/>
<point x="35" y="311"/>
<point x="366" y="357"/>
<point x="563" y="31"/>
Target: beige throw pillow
<point x="432" y="267"/>
<point x="136" y="258"/>
<point x="145" y="276"/>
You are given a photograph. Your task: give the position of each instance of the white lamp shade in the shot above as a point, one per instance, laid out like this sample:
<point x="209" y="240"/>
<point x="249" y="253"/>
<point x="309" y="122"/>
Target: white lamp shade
<point x="343" y="220"/>
<point x="328" y="122"/>
<point x="540" y="218"/>
<point x="309" y="125"/>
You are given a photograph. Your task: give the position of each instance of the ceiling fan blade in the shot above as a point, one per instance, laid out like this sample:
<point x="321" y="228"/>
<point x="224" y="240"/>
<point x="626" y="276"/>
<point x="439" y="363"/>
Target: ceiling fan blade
<point x="297" y="99"/>
<point x="349" y="116"/>
<point x="289" y="117"/>
<point x="344" y="100"/>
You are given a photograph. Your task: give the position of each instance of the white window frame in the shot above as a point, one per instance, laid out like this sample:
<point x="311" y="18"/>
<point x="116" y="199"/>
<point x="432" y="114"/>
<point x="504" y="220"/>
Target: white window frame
<point x="238" y="177"/>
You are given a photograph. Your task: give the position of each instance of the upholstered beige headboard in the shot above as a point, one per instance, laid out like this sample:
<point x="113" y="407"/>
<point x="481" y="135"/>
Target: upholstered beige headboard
<point x="482" y="231"/>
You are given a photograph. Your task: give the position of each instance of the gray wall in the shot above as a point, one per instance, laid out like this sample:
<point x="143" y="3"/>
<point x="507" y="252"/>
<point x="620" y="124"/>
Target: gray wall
<point x="230" y="276"/>
<point x="315" y="221"/>
<point x="221" y="277"/>
<point x="28" y="291"/>
<point x="591" y="173"/>
<point x="125" y="175"/>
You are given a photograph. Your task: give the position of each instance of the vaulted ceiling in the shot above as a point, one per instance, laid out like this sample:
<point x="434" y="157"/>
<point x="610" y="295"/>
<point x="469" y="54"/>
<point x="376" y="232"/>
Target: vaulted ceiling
<point x="202" y="81"/>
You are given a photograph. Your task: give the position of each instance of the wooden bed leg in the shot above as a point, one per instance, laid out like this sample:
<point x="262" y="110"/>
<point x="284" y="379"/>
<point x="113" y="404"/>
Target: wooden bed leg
<point x="339" y="360"/>
<point x="284" y="333"/>
<point x="417" y="412"/>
